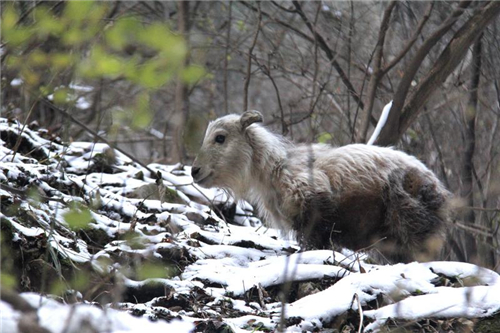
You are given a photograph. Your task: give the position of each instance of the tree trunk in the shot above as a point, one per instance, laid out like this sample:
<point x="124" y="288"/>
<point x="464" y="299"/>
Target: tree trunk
<point x="178" y="152"/>
<point x="377" y="73"/>
<point x="405" y="109"/>
<point x="469" y="117"/>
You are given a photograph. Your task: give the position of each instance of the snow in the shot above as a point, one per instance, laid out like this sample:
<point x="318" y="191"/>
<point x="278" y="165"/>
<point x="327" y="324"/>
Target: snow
<point x="30" y="232"/>
<point x="473" y="302"/>
<point x="16" y="82"/>
<point x="222" y="261"/>
<point x="8" y="317"/>
<point x="82" y="103"/>
<point x="156" y="133"/>
<point x="400" y="281"/>
<point x="82" y="88"/>
<point x="59" y="317"/>
<point x="381" y="123"/>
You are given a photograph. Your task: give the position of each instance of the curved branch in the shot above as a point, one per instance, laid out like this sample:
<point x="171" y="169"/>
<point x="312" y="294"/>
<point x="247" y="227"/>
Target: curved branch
<point x="377" y="71"/>
<point x="451" y="56"/>
<point x="280" y="22"/>
<point x="329" y="54"/>
<point x="412" y="40"/>
<point x="249" y="63"/>
<point x="96" y="135"/>
<point x="390" y="132"/>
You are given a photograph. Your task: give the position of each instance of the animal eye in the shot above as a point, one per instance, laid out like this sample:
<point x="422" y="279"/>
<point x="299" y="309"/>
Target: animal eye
<point x="220" y="138"/>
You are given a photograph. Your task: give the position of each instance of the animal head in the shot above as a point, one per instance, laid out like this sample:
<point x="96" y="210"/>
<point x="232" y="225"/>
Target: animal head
<point x="225" y="156"/>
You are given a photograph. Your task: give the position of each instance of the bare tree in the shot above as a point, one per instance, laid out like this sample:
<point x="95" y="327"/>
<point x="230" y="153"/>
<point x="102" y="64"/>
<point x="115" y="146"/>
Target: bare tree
<point x="178" y="149"/>
<point x="407" y="106"/>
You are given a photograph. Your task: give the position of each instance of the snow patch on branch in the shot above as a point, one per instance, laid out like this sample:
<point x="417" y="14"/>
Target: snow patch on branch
<point x="381" y="123"/>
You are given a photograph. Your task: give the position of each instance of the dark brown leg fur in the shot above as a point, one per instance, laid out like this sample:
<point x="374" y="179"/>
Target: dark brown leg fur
<point x="399" y="221"/>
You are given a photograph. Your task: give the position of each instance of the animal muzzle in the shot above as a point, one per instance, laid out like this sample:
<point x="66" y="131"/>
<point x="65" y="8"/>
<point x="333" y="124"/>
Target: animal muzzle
<point x="201" y="176"/>
<point x="195" y="171"/>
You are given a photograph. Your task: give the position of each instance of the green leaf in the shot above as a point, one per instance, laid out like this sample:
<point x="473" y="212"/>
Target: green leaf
<point x="14" y="62"/>
<point x="7" y="280"/>
<point x="80" y="281"/>
<point x="9" y="18"/>
<point x="62" y="61"/>
<point x="141" y="115"/>
<point x="241" y="25"/>
<point x="192" y="74"/>
<point x="34" y="196"/>
<point x="13" y="34"/>
<point x="325" y="137"/>
<point x="78" y="217"/>
<point x="174" y="50"/>
<point x="156" y="36"/>
<point x="73" y="36"/>
<point x="38" y="58"/>
<point x="97" y="14"/>
<point x="16" y="37"/>
<point x="46" y="90"/>
<point x="77" y="11"/>
<point x="412" y="134"/>
<point x="141" y="120"/>
<point x="58" y="287"/>
<point x="30" y="78"/>
<point x="61" y="96"/>
<point x="152" y="74"/>
<point x="123" y="32"/>
<point x="151" y="271"/>
<point x="155" y="271"/>
<point x="101" y="64"/>
<point x="47" y="24"/>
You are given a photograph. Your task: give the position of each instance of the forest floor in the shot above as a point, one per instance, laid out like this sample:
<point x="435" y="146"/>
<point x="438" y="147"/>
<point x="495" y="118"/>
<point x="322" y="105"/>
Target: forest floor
<point x="94" y="242"/>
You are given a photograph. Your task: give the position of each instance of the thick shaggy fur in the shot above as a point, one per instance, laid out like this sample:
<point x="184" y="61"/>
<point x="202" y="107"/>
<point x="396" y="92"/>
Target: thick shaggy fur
<point x="356" y="196"/>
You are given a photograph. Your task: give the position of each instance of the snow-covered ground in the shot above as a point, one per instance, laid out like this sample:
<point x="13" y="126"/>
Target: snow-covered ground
<point x="217" y="271"/>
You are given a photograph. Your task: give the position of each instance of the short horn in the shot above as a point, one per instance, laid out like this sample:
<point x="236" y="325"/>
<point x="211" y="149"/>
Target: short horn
<point x="250" y="117"/>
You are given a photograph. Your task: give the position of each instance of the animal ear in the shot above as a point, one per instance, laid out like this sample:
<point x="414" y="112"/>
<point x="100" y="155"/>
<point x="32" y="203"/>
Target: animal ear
<point x="250" y="117"/>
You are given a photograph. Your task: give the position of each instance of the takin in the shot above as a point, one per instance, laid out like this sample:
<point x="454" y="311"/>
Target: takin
<point x="356" y="196"/>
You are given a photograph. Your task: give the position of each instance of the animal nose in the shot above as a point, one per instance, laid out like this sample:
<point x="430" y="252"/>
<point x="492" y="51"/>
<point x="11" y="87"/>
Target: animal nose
<point x="195" y="171"/>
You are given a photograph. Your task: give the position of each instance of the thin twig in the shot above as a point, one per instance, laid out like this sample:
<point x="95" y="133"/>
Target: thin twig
<point x="361" y="317"/>
<point x="97" y="136"/>
<point x="249" y="64"/>
<point x="377" y="72"/>
<point x="226" y="56"/>
<point x="261" y="296"/>
<point x="267" y="71"/>
<point x="482" y="209"/>
<point x="20" y="136"/>
<point x="331" y="55"/>
<point x="412" y="40"/>
<point x="25" y="194"/>
<point x="474" y="230"/>
<point x="438" y="149"/>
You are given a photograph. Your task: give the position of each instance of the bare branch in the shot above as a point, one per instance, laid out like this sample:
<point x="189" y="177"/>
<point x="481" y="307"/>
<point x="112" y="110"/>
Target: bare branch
<point x="329" y="54"/>
<point x="288" y="10"/>
<point x="438" y="149"/>
<point x="267" y="71"/>
<point x="377" y="72"/>
<point x="390" y="132"/>
<point x="226" y="56"/>
<point x="446" y="63"/>
<point x="95" y="135"/>
<point x="411" y="41"/>
<point x="249" y="63"/>
<point x="280" y="22"/>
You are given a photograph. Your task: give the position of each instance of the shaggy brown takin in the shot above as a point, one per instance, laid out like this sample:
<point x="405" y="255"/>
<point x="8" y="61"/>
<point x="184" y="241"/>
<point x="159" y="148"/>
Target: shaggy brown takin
<point x="356" y="196"/>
